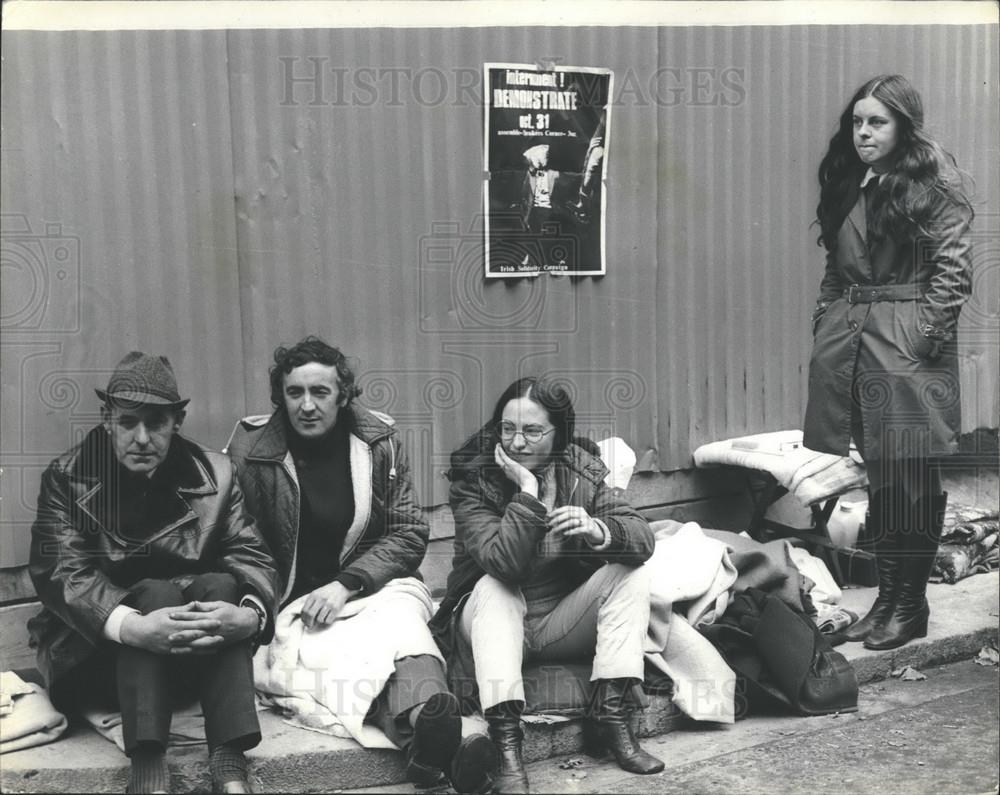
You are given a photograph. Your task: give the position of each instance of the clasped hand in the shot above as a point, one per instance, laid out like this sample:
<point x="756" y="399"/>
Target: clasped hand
<point x="572" y="520"/>
<point x="193" y="628"/>
<point x="566" y="520"/>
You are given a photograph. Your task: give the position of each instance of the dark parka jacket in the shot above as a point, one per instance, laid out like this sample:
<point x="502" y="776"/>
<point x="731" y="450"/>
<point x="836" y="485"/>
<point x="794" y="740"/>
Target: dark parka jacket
<point x="388" y="537"/>
<point x="497" y="530"/>
<point x="82" y="566"/>
<point x="909" y="403"/>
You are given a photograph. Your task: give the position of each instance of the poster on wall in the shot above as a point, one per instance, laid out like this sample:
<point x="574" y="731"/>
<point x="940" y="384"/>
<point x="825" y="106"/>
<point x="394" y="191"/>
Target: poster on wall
<point x="546" y="142"/>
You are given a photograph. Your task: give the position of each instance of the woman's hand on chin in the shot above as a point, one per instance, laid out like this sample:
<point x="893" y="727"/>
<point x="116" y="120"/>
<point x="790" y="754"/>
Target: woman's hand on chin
<point x="519" y="475"/>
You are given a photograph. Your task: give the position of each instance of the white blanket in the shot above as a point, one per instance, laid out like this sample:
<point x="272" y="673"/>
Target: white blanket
<point x="27" y="717"/>
<point x="812" y="477"/>
<point x="326" y="679"/>
<point x="187" y="725"/>
<point x="690" y="578"/>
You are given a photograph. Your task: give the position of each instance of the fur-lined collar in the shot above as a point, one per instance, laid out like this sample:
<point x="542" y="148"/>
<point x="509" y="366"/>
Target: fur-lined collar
<point x="185" y="466"/>
<point x="272" y="434"/>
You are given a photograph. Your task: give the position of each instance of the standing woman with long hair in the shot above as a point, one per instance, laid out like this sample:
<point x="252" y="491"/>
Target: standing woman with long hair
<point x="893" y="217"/>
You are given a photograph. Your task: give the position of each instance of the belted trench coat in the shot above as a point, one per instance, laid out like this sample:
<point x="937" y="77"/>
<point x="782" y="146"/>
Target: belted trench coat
<point x="894" y="361"/>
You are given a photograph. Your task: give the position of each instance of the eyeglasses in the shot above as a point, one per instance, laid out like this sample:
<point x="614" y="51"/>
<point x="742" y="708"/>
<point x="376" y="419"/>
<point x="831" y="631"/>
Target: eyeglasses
<point x="532" y="434"/>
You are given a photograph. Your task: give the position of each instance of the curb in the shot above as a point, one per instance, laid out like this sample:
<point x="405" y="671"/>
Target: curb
<point x="296" y="761"/>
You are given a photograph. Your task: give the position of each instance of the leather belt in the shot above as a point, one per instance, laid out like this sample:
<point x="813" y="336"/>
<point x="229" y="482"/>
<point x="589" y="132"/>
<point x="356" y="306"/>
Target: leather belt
<point x="873" y="293"/>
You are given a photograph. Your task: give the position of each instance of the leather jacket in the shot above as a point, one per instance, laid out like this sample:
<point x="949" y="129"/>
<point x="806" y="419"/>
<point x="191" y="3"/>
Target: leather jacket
<point x="894" y="361"/>
<point x="82" y="565"/>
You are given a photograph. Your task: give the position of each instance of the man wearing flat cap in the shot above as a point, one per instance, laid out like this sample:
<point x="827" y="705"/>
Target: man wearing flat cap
<point x="153" y="579"/>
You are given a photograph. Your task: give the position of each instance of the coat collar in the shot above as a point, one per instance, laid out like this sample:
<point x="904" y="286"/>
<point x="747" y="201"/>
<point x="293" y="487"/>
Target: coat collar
<point x="94" y="461"/>
<point x="574" y="462"/>
<point x="272" y="441"/>
<point x="857" y="217"/>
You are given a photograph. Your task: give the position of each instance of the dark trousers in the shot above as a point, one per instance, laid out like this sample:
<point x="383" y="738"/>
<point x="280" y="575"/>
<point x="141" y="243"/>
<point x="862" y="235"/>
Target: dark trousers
<point x="907" y="493"/>
<point x="145" y="686"/>
<point x="414" y="681"/>
<point x="916" y="478"/>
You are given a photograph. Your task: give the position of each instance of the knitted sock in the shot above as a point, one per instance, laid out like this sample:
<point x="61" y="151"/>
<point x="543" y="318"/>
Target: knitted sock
<point x="149" y="771"/>
<point x="227" y="764"/>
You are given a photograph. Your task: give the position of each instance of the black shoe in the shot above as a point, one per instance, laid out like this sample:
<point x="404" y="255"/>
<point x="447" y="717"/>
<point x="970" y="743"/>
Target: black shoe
<point x="437" y="733"/>
<point x="475" y="767"/>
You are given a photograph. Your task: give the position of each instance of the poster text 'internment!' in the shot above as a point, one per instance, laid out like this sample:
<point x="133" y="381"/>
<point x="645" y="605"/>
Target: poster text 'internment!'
<point x="546" y="144"/>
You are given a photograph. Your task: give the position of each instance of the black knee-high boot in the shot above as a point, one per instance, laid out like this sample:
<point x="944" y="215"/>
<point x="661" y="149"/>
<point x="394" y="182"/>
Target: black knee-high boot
<point x="883" y="527"/>
<point x="911" y="612"/>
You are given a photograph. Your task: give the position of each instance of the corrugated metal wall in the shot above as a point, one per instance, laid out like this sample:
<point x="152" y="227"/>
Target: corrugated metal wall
<point x="738" y="263"/>
<point x="362" y="224"/>
<point x="211" y="194"/>
<point x="118" y="233"/>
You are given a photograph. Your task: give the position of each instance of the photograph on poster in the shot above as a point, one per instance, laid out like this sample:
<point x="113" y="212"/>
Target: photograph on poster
<point x="546" y="144"/>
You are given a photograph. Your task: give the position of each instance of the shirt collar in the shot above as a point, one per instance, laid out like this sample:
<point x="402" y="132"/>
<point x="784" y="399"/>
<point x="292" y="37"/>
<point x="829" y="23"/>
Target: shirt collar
<point x="869" y="176"/>
<point x="547" y="482"/>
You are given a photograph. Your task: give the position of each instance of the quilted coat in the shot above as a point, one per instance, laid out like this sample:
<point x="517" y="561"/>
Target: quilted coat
<point x="497" y="531"/>
<point x="388" y="537"/>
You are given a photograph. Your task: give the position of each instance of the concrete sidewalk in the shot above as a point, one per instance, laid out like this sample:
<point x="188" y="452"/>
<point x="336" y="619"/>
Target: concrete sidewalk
<point x="964" y="618"/>
<point x="937" y="736"/>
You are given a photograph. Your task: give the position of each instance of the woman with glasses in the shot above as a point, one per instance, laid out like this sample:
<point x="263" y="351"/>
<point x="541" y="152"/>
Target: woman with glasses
<point x="547" y="567"/>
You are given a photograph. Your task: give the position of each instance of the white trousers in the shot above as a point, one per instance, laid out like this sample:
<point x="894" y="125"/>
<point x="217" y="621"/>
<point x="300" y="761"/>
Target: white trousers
<point x="606" y="619"/>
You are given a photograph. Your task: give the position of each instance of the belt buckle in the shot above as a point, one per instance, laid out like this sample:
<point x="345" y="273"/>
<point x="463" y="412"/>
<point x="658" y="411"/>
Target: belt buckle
<point x="851" y="294"/>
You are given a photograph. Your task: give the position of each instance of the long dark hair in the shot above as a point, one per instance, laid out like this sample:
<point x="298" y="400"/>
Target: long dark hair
<point x="477" y="451"/>
<point x="922" y="173"/>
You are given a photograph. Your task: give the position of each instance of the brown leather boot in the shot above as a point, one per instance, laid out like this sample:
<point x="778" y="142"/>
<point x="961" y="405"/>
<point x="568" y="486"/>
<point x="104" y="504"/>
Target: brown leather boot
<point x="612" y="729"/>
<point x="504" y="722"/>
